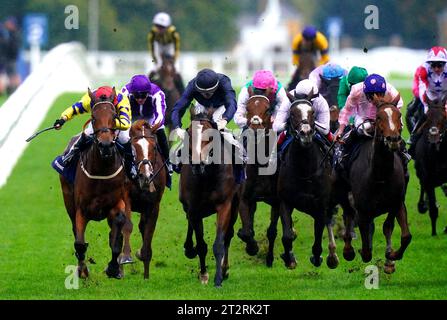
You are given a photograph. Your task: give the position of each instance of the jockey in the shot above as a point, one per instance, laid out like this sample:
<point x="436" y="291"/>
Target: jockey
<point x="304" y="89"/>
<point x="310" y="39"/>
<point x="262" y="80"/>
<point x="147" y="102"/>
<point x="414" y="108"/>
<point x="163" y="39"/>
<point x="327" y="71"/>
<point x="359" y="103"/>
<point x="122" y="124"/>
<point x="355" y="75"/>
<point x="210" y="90"/>
<point x="432" y="84"/>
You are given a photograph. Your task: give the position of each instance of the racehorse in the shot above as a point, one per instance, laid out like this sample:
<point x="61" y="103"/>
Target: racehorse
<point x="377" y="182"/>
<point x="304" y="184"/>
<point x="170" y="83"/>
<point x="99" y="190"/>
<point x="430" y="158"/>
<point x="207" y="187"/>
<point x="305" y="67"/>
<point x="145" y="193"/>
<point x="259" y="187"/>
<point x="329" y="90"/>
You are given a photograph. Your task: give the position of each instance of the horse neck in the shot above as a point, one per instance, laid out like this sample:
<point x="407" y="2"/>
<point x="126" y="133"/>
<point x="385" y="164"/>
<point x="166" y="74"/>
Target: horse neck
<point x="382" y="160"/>
<point x="306" y="159"/>
<point x="96" y="165"/>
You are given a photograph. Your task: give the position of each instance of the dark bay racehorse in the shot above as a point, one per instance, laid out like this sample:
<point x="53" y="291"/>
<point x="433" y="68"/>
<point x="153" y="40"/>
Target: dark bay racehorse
<point x="305" y="67"/>
<point x="377" y="182"/>
<point x="329" y="90"/>
<point x="304" y="184"/>
<point x="146" y="193"/>
<point x="170" y="83"/>
<point x="207" y="187"/>
<point x="99" y="190"/>
<point x="259" y="186"/>
<point x="431" y="158"/>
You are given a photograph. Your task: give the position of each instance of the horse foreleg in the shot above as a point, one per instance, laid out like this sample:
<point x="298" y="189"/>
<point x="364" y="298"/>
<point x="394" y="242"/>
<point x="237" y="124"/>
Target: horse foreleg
<point x="366" y="227"/>
<point x="348" y="219"/>
<point x="228" y="236"/>
<point x="223" y="226"/>
<point x="405" y="237"/>
<point x="317" y="249"/>
<point x="201" y="248"/>
<point x="433" y="209"/>
<point x="146" y="249"/>
<point x="288" y="235"/>
<point x="126" y="256"/>
<point x="80" y="244"/>
<point x="388" y="227"/>
<point x="422" y="203"/>
<point x="332" y="259"/>
<point x="116" y="221"/>
<point x="190" y="251"/>
<point x="247" y="210"/>
<point x="272" y="233"/>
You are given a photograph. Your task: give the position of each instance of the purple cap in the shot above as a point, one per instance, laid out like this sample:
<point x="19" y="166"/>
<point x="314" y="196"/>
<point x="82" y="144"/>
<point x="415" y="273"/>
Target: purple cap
<point x="139" y="83"/>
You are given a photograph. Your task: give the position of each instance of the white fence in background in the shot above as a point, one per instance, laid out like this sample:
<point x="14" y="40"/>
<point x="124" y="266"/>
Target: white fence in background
<point x="120" y="66"/>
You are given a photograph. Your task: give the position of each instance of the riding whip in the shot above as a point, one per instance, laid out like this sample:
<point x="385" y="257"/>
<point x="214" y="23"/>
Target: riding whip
<point x="39" y="132"/>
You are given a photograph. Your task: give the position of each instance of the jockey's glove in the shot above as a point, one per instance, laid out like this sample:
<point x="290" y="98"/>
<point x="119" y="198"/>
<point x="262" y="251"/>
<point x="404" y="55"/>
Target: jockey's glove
<point x="58" y="123"/>
<point x="221" y="123"/>
<point x="179" y="132"/>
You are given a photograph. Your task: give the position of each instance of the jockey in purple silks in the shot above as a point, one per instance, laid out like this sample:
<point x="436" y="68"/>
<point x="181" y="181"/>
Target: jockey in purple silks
<point x="147" y="102"/>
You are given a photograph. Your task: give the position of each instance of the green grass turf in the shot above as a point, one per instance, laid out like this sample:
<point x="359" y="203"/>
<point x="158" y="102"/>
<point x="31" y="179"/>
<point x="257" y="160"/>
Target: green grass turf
<point x="36" y="245"/>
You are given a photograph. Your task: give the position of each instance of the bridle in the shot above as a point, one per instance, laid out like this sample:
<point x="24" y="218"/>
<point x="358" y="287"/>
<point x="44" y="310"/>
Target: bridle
<point x="295" y="131"/>
<point x="257" y="120"/>
<point x="104" y="129"/>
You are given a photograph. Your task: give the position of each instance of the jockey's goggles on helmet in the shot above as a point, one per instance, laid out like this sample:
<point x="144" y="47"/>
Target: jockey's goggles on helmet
<point x="259" y="91"/>
<point x="437" y="64"/>
<point x="140" y="95"/>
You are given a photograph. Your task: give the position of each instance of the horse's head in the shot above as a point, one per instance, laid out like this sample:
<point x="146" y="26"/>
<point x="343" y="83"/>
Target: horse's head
<point x="388" y="121"/>
<point x="259" y="111"/>
<point x="436" y="120"/>
<point x="144" y="142"/>
<point x="301" y="121"/>
<point x="200" y="147"/>
<point x="103" y="119"/>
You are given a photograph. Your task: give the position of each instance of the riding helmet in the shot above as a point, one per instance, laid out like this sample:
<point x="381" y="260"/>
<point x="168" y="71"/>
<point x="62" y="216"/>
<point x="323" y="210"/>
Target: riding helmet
<point x="162" y="19"/>
<point x="139" y="83"/>
<point x="374" y="83"/>
<point x="309" y="32"/>
<point x="437" y="54"/>
<point x="207" y="80"/>
<point x="332" y="71"/>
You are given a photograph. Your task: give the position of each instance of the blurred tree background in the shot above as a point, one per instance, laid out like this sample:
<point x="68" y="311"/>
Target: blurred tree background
<point x="212" y="25"/>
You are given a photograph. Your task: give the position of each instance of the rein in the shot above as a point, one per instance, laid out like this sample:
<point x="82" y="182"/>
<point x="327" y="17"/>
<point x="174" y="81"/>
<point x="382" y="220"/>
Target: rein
<point x="95" y="177"/>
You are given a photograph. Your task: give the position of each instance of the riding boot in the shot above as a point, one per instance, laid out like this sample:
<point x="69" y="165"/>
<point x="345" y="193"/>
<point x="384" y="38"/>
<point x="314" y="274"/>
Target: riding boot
<point x="129" y="161"/>
<point x="411" y="115"/>
<point x="405" y="157"/>
<point x="342" y="153"/>
<point x="75" y="150"/>
<point x="164" y="148"/>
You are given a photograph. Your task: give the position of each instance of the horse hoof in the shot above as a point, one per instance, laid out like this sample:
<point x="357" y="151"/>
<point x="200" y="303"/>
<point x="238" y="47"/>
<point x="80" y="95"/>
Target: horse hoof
<point x="366" y="256"/>
<point x="252" y="248"/>
<point x="316" y="261"/>
<point x="83" y="272"/>
<point x="332" y="261"/>
<point x="349" y="255"/>
<point x="422" y="207"/>
<point x="204" y="278"/>
<point x="114" y="272"/>
<point x="393" y="255"/>
<point x="389" y="268"/>
<point x="125" y="259"/>
<point x="434" y="233"/>
<point x="289" y="261"/>
<point x="190" y="253"/>
<point x="269" y="261"/>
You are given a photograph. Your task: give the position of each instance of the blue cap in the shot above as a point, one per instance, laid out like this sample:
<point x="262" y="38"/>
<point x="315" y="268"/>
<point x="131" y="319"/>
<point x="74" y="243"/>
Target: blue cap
<point x="206" y="80"/>
<point x="374" y="83"/>
<point x="331" y="71"/>
<point x="309" y="32"/>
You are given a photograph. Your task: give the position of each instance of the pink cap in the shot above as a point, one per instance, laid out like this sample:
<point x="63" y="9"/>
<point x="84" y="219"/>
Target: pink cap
<point x="264" y="79"/>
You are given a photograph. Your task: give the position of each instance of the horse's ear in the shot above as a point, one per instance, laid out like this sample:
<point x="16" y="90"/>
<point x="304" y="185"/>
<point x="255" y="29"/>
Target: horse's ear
<point x="290" y="96"/>
<point x="427" y="99"/>
<point x="396" y="99"/>
<point x="90" y="94"/>
<point x="250" y="91"/>
<point x="210" y="112"/>
<point x="112" y="97"/>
